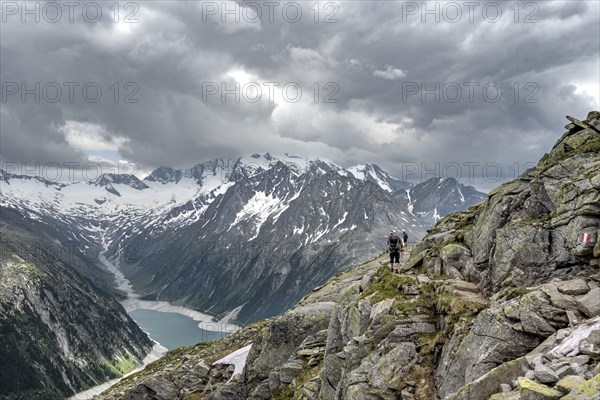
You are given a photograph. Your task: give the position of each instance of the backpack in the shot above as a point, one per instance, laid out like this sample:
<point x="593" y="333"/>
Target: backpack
<point x="394" y="242"/>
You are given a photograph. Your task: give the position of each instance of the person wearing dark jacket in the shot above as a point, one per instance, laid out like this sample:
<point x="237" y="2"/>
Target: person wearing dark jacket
<point x="394" y="245"/>
<point x="404" y="238"/>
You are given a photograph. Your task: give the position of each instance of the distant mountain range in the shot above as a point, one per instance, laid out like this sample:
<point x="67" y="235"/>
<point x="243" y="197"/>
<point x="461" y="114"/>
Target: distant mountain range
<point x="241" y="238"/>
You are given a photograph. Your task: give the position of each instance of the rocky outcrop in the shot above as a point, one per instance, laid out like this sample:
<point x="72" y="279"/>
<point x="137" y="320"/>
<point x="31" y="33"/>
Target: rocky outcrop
<point x="500" y="302"/>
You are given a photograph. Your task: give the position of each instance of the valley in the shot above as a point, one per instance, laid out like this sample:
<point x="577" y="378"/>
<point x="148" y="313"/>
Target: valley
<point x="238" y="239"/>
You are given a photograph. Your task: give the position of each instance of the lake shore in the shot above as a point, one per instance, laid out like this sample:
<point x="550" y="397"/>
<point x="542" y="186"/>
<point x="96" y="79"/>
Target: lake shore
<point x="205" y="321"/>
<point x="133" y="302"/>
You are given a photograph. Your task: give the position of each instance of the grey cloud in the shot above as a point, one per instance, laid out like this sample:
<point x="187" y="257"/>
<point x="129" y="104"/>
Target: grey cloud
<point x="171" y="52"/>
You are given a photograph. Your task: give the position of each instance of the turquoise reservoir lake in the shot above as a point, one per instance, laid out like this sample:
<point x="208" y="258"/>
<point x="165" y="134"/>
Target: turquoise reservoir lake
<point x="173" y="330"/>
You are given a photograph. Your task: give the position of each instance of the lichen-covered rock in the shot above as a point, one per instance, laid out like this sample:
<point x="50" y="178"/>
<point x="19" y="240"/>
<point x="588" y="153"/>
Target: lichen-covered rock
<point x="454" y="259"/>
<point x="588" y="390"/>
<point x="392" y="366"/>
<point x="569" y="383"/>
<point x="531" y="390"/>
<point x="489" y="383"/>
<point x="496" y="337"/>
<point x="286" y="333"/>
<point x="518" y="248"/>
<point x="506" y="396"/>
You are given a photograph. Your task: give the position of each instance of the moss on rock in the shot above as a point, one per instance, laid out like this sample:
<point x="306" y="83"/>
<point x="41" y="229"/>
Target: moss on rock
<point x="531" y="390"/>
<point x="589" y="390"/>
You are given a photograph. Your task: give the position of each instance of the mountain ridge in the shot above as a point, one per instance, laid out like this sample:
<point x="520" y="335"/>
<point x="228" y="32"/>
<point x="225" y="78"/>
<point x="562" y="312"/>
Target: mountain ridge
<point x="243" y="201"/>
<point x="497" y="302"/>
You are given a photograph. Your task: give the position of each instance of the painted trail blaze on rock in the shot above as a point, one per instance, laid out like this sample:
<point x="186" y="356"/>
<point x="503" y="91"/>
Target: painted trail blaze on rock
<point x="587" y="237"/>
<point x="586" y="240"/>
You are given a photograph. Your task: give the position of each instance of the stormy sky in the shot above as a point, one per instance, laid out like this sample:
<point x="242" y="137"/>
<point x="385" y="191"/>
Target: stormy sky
<point x="457" y="88"/>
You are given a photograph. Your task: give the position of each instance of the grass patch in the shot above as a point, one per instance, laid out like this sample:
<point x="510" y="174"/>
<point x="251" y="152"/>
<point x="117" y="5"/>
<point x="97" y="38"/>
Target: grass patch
<point x="457" y="308"/>
<point x="509" y="293"/>
<point x="120" y="365"/>
<point x="386" y="285"/>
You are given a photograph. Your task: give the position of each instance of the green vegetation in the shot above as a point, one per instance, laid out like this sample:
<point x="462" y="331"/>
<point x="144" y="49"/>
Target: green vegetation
<point x="120" y="365"/>
<point x="387" y="285"/>
<point x="510" y="292"/>
<point x="457" y="308"/>
<point x="285" y="393"/>
<point x="584" y="144"/>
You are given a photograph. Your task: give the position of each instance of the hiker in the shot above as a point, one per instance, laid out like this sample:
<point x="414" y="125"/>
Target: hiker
<point x="394" y="244"/>
<point x="404" y="238"/>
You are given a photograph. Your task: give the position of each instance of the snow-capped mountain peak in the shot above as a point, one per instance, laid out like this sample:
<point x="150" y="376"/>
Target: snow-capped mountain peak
<point x="164" y="175"/>
<point x="437" y="197"/>
<point x="118" y="179"/>
<point x="299" y="165"/>
<point x="291" y="222"/>
<point x="373" y="173"/>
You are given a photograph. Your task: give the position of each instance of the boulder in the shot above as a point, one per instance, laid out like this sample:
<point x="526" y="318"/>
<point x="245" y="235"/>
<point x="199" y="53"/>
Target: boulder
<point x="505" y="388"/>
<point x="157" y="389"/>
<point x="566" y="370"/>
<point x="590" y="303"/>
<point x="490" y="341"/>
<point x="590" y="346"/>
<point x="201" y="368"/>
<point x="588" y="390"/>
<point x="536" y="313"/>
<point x="454" y="257"/>
<point x="531" y="390"/>
<point x="573" y="287"/>
<point x="379" y="308"/>
<point x="286" y="333"/>
<point x="489" y="383"/>
<point x="356" y="319"/>
<point x="290" y="370"/>
<point x="569" y="383"/>
<point x="544" y="374"/>
<point x="392" y="366"/>
<point x="505" y="396"/>
<point x="582" y="359"/>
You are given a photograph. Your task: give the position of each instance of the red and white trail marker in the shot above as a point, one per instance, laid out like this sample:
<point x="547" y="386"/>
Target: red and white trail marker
<point x="586" y="237"/>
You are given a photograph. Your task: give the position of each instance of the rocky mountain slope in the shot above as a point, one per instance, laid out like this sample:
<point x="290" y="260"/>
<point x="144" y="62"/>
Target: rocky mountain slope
<point x="438" y="197"/>
<point x="242" y="238"/>
<point x="59" y="334"/>
<point x="498" y="302"/>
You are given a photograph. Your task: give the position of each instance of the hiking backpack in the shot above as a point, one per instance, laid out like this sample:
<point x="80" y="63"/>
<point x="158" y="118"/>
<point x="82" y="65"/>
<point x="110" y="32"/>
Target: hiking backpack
<point x="394" y="242"/>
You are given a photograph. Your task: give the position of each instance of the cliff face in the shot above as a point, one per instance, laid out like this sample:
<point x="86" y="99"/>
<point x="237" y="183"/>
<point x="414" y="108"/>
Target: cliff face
<point x="501" y="301"/>
<point x="59" y="334"/>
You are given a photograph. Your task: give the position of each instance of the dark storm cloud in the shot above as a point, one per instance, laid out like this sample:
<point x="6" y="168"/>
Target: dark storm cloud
<point x="369" y="62"/>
